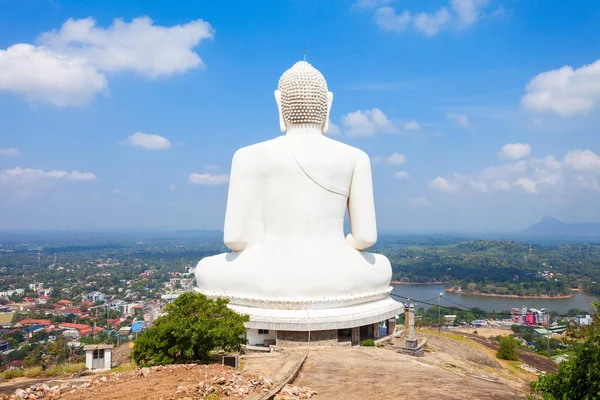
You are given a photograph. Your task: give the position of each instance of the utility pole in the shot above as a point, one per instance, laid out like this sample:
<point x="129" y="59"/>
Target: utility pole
<point x="439" y="315"/>
<point x="548" y="333"/>
<point x="309" y="321"/>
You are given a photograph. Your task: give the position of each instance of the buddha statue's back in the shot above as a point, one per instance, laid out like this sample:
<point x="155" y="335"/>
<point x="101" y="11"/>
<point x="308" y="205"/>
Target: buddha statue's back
<point x="301" y="187"/>
<point x="286" y="206"/>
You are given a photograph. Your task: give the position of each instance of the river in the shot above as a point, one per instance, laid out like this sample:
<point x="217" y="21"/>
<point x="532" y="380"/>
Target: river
<point x="430" y="292"/>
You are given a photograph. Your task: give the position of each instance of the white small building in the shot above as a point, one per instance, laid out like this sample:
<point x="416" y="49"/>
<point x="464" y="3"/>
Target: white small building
<point x="94" y="297"/>
<point x="9" y="293"/>
<point x="584" y="319"/>
<point x="98" y="357"/>
<point x="261" y="337"/>
<point x="171" y="296"/>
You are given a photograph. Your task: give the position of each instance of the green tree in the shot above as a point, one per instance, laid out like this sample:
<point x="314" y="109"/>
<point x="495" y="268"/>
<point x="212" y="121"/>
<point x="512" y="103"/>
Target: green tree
<point x="508" y="348"/>
<point x="579" y="377"/>
<point x="194" y="326"/>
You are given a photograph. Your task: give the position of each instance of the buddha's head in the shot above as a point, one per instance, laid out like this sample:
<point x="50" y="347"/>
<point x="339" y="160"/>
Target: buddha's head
<point x="302" y="97"/>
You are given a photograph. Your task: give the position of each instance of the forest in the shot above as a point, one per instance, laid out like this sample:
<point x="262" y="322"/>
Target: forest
<point x="487" y="266"/>
<point x="498" y="266"/>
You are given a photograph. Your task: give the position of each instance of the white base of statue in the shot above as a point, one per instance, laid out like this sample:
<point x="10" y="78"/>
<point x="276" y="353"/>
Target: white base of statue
<point x="315" y="314"/>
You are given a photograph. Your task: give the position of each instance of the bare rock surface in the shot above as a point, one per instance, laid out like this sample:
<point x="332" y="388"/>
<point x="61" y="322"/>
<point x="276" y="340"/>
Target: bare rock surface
<point x="171" y="382"/>
<point x="382" y="373"/>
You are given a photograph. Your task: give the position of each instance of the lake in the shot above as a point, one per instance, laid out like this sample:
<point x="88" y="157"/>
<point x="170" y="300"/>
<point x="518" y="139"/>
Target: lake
<point x="429" y="292"/>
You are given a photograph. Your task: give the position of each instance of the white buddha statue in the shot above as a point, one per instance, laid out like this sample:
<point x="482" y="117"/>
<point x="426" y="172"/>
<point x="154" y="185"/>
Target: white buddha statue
<point x="285" y="211"/>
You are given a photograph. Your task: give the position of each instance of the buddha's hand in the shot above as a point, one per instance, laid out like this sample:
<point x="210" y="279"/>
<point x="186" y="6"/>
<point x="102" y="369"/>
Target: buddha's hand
<point x="358" y="244"/>
<point x="351" y="242"/>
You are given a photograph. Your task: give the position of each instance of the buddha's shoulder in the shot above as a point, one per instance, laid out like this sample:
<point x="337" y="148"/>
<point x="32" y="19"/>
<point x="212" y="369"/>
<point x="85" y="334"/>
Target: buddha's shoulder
<point x="259" y="150"/>
<point x="345" y="148"/>
<point x="254" y="149"/>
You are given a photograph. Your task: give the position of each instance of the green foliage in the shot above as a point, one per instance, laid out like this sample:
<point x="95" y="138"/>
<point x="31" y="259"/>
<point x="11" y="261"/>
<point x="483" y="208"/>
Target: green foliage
<point x="495" y="266"/>
<point x="579" y="376"/>
<point x="367" y="343"/>
<point x="194" y="326"/>
<point x="508" y="349"/>
<point x="12" y="373"/>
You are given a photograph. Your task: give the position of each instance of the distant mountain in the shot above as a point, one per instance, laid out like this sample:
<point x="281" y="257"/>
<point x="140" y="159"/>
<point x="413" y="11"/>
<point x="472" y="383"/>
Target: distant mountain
<point x="550" y="226"/>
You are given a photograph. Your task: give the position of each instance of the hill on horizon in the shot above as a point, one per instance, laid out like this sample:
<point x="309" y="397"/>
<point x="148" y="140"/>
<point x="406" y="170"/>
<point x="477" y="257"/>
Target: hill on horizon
<point x="550" y="226"/>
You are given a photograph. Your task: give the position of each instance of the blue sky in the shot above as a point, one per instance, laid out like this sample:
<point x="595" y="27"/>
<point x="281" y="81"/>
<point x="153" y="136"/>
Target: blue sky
<point x="478" y="115"/>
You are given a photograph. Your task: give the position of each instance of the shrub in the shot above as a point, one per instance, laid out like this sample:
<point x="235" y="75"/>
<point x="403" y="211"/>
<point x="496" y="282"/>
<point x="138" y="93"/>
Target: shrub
<point x="34" y="372"/>
<point x="579" y="376"/>
<point x="12" y="373"/>
<point x="508" y="349"/>
<point x="64" y="369"/>
<point x="368" y="343"/>
<point x="194" y="326"/>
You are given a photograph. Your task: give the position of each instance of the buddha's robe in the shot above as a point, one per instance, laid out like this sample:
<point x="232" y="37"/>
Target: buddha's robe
<point x="284" y="224"/>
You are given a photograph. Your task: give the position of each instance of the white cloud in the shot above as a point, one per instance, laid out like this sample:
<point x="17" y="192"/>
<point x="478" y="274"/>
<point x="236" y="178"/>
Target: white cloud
<point x="412" y="126"/>
<point x="116" y="191"/>
<point x="207" y="179"/>
<point x="564" y="91"/>
<point x="43" y="76"/>
<point x="138" y="46"/>
<point x="528" y="184"/>
<point x="583" y="160"/>
<point x="367" y="123"/>
<point x="172" y="187"/>
<point x="501" y="186"/>
<point x="498" y="12"/>
<point x="460" y="119"/>
<point x="468" y="11"/>
<point x="392" y="159"/>
<point x="395" y="159"/>
<point x="401" y="175"/>
<point x="9" y="152"/>
<point x="67" y="67"/>
<point x="333" y="129"/>
<point x="369" y="4"/>
<point x="579" y="169"/>
<point x="515" y="151"/>
<point x="431" y="24"/>
<point x="29" y="174"/>
<point x="587" y="182"/>
<point x="148" y="141"/>
<point x="462" y="14"/>
<point x="387" y="19"/>
<point x="441" y="184"/>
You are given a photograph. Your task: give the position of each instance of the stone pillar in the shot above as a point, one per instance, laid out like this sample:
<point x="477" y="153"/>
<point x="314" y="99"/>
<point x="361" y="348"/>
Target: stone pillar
<point x="410" y="317"/>
<point x="411" y="343"/>
<point x="376" y="331"/>
<point x="356" y="335"/>
<point x="391" y="326"/>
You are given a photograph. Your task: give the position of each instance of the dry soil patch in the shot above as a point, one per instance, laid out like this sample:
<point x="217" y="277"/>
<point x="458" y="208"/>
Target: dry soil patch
<point x="374" y="373"/>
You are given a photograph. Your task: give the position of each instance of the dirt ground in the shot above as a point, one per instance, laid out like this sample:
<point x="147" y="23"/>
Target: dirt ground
<point x="528" y="357"/>
<point x="453" y="367"/>
<point x="174" y="382"/>
<point x="264" y="364"/>
<point x="121" y="354"/>
<point x="383" y="373"/>
<point x="485" y="332"/>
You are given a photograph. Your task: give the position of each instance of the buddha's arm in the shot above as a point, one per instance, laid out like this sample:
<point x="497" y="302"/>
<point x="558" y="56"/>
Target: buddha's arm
<point x="361" y="206"/>
<point x="238" y="198"/>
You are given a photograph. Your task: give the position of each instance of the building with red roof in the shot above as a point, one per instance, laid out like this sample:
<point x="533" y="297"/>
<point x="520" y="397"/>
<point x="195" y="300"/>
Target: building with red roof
<point x="31" y="321"/>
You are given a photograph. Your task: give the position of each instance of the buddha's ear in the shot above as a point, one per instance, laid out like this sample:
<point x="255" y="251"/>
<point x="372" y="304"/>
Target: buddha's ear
<point x="282" y="125"/>
<point x="325" y="126"/>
